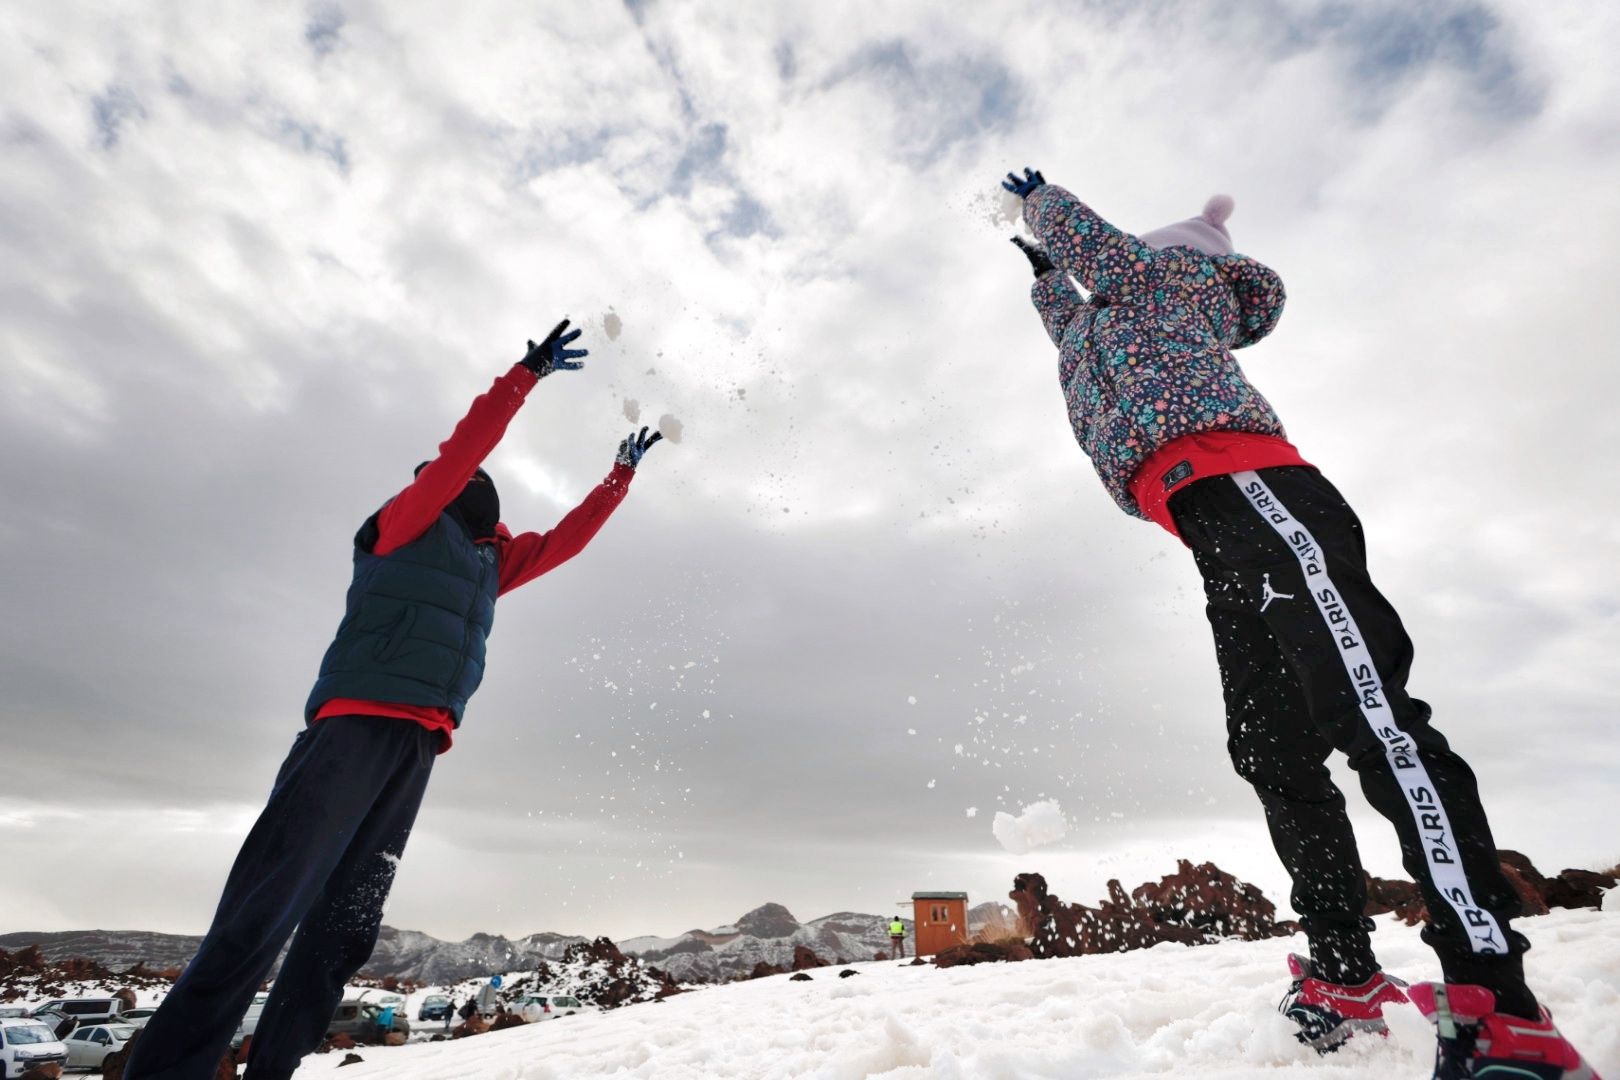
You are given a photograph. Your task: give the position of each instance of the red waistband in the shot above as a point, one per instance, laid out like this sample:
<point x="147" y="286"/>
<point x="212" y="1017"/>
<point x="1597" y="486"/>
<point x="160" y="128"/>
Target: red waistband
<point x="1195" y="457"/>
<point x="430" y="717"/>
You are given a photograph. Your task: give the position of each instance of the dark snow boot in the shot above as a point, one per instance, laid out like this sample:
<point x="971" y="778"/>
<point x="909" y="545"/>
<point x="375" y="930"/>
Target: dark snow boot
<point x="1328" y="1014"/>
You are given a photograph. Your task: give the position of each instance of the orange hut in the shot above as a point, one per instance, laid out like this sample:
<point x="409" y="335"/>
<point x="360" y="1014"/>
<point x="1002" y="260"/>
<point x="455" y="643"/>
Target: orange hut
<point x="940" y="919"/>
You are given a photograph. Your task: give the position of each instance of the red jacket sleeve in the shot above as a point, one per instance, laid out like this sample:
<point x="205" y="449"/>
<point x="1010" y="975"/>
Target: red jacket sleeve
<point x="528" y="555"/>
<point x="413" y="510"/>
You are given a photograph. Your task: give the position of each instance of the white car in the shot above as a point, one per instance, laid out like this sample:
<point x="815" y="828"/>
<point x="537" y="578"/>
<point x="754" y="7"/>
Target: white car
<point x="26" y="1044"/>
<point x="90" y="1045"/>
<point x="137" y="1018"/>
<point x="249" y="1022"/>
<point x="537" y="1007"/>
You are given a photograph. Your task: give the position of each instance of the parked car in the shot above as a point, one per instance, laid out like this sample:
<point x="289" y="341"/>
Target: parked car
<point x="91" y="1045"/>
<point x="435" y="1007"/>
<point x="249" y="1022"/>
<point x="384" y="998"/>
<point x="538" y="1007"/>
<point x="27" y="1044"/>
<point x="60" y="1023"/>
<point x="358" y="1020"/>
<point x="86" y="1010"/>
<point x="137" y="1018"/>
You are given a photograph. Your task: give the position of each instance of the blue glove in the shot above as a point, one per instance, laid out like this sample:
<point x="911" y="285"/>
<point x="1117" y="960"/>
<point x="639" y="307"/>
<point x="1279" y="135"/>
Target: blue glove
<point x="550" y="355"/>
<point x="632" y="448"/>
<point x="1021" y="188"/>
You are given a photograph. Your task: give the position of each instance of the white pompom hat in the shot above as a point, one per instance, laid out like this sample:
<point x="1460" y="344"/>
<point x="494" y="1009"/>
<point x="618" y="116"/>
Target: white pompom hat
<point x="1206" y="232"/>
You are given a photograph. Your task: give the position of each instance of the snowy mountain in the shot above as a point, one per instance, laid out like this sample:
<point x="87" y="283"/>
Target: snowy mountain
<point x="115" y="949"/>
<point x="419" y="957"/>
<point x="404" y="954"/>
<point x="767" y="934"/>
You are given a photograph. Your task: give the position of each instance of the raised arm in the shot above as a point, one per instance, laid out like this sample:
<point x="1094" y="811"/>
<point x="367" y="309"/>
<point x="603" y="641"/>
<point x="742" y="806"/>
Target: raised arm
<point x="528" y="555"/>
<point x="1105" y="259"/>
<point x="409" y="514"/>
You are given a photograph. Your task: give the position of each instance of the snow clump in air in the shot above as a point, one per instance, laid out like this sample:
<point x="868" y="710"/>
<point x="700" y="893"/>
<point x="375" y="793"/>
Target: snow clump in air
<point x="632" y="410"/>
<point x="612" y="325"/>
<point x="1001" y="208"/>
<point x="670" y="427"/>
<point x="1040" y="823"/>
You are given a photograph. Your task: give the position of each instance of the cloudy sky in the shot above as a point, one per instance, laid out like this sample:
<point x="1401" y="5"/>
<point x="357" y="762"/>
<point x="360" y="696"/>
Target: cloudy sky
<point x="255" y="260"/>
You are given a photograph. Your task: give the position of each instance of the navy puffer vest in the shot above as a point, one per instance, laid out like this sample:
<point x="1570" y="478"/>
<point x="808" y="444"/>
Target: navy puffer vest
<point x="416" y="622"/>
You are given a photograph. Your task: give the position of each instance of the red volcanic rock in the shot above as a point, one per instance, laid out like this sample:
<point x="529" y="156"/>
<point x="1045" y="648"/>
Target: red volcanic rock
<point x="1530" y="899"/>
<point x="983" y="952"/>
<point x="762" y="970"/>
<point x="1537" y="893"/>
<point x="602" y="950"/>
<point x="506" y="1020"/>
<point x="1208" y="899"/>
<point x="800" y="977"/>
<point x="350" y="1059"/>
<point x="1580" y="888"/>
<point x="1385" y="895"/>
<point x="622" y="979"/>
<point x="25" y="961"/>
<point x="1525" y="867"/>
<point x="805" y="957"/>
<point x="1062" y="929"/>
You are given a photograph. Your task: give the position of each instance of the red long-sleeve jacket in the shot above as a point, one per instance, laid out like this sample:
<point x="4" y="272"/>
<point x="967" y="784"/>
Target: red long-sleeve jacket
<point x="523" y="557"/>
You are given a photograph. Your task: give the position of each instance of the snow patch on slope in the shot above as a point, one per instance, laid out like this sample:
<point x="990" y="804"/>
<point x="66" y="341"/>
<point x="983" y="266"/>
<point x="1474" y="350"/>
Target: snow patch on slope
<point x="1170" y="1011"/>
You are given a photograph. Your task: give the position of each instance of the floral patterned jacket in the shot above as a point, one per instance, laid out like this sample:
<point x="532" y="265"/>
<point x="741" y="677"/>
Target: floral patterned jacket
<point x="1147" y="359"/>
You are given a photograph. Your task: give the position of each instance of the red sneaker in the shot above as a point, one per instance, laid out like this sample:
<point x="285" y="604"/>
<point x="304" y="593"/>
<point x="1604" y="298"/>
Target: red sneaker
<point x="1477" y="1041"/>
<point x="1328" y="1014"/>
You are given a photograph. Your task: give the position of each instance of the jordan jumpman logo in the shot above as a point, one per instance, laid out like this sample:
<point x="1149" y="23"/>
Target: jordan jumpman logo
<point x="1268" y="594"/>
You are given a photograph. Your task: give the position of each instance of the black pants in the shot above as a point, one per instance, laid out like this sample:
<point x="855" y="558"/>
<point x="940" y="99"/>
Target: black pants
<point x="1313" y="659"/>
<point x="321" y="857"/>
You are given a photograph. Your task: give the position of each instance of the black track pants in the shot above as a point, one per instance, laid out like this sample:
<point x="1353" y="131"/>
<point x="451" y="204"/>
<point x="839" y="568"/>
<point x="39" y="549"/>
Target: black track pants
<point x="1313" y="659"/>
<point x="321" y="857"/>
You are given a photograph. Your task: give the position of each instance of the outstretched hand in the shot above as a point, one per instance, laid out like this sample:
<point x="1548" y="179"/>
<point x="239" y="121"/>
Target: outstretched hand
<point x="1021" y="188"/>
<point x="635" y="446"/>
<point x="552" y="355"/>
<point x="1038" y="260"/>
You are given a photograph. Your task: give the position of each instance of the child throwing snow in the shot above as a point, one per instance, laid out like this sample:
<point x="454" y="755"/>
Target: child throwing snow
<point x="1312" y="657"/>
<point x="408" y="653"/>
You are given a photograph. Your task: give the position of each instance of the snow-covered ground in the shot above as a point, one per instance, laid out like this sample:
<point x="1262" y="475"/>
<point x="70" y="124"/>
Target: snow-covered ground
<point x="1205" y="1012"/>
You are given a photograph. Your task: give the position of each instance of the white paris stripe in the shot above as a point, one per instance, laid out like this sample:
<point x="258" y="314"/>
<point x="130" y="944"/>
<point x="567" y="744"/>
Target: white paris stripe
<point x="1434" y="826"/>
